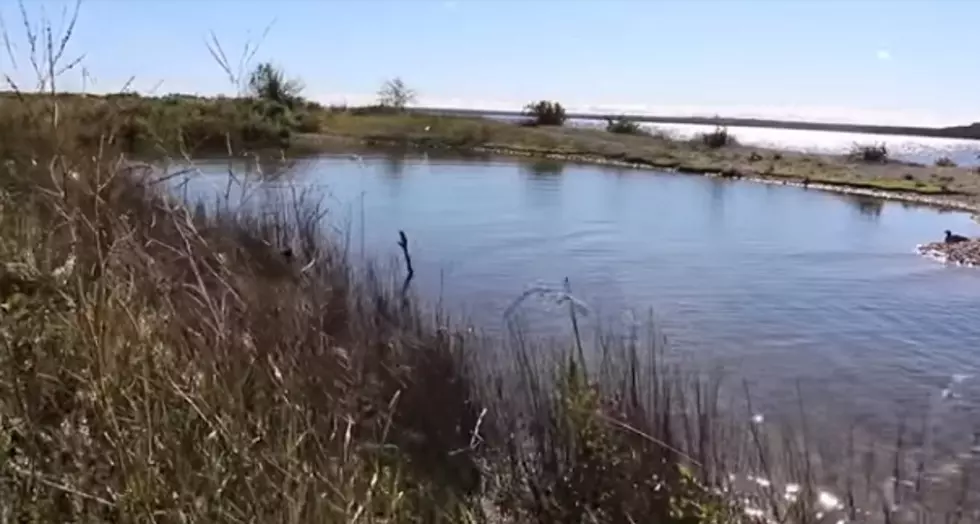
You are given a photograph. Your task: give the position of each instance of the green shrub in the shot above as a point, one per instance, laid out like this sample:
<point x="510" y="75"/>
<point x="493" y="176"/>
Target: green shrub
<point x="870" y="153"/>
<point x="718" y="138"/>
<point x="624" y="126"/>
<point x="268" y="82"/>
<point x="545" y="113"/>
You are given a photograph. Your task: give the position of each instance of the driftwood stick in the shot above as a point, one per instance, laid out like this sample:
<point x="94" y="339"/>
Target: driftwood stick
<point x="410" y="271"/>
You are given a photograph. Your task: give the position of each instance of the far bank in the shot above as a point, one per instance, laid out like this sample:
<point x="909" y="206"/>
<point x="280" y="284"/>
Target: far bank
<point x="194" y="126"/>
<point x="866" y="172"/>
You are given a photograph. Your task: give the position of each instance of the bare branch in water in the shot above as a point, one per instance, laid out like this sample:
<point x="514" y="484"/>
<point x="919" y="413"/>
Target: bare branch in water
<point x="409" y="270"/>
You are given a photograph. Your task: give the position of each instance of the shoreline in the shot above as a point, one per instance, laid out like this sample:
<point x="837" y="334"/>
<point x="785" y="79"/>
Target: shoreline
<point x="967" y="132"/>
<point x="944" y="202"/>
<point x="841" y="188"/>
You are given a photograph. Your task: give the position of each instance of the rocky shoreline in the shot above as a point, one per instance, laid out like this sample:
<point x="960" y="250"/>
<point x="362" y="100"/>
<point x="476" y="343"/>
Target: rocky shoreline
<point x="965" y="254"/>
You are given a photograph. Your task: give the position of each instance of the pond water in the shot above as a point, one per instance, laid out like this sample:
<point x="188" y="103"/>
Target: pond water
<point x="789" y="289"/>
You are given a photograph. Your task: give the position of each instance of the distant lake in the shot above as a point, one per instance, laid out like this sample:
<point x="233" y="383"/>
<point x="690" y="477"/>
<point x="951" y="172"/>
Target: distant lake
<point x="779" y="286"/>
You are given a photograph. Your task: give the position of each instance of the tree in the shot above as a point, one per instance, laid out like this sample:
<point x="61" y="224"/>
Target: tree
<point x="395" y="94"/>
<point x="268" y="82"/>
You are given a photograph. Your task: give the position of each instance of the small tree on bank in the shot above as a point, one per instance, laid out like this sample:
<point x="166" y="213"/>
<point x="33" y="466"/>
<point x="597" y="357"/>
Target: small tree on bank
<point x="268" y="82"/>
<point x="396" y="95"/>
<point x="545" y="113"/>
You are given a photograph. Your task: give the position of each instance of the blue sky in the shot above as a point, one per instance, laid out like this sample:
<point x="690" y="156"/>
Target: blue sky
<point x="881" y="61"/>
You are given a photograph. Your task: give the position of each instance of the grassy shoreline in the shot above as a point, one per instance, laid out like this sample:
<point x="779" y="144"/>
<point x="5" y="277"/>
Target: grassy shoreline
<point x="941" y="186"/>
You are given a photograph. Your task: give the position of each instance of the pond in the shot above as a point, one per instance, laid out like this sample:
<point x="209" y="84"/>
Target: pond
<point x="788" y="289"/>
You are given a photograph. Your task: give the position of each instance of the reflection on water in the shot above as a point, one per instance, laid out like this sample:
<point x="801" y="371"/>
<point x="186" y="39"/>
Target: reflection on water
<point x="394" y="165"/>
<point x="543" y="167"/>
<point x="787" y="289"/>
<point x="866" y="206"/>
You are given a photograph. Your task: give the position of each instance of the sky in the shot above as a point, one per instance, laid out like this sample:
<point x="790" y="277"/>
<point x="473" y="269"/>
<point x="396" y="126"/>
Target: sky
<point x="889" y="62"/>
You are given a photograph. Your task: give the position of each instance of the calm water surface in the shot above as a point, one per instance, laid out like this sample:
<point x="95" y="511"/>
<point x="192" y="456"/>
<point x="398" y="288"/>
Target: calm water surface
<point x="783" y="287"/>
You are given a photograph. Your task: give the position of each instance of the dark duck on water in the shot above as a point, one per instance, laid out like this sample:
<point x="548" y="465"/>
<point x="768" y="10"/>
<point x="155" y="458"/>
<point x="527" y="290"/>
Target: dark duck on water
<point x="954" y="239"/>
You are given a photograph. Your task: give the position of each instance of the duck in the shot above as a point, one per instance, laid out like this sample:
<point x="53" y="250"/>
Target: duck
<point x="953" y="239"/>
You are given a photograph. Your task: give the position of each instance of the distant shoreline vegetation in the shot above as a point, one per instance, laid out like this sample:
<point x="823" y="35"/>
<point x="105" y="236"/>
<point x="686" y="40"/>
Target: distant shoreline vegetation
<point x="965" y="132"/>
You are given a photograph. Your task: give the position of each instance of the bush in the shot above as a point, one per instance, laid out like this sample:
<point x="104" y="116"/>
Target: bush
<point x="945" y="161"/>
<point x="624" y="126"/>
<point x="870" y="153"/>
<point x="545" y="113"/>
<point x="268" y="82"/>
<point x="718" y="138"/>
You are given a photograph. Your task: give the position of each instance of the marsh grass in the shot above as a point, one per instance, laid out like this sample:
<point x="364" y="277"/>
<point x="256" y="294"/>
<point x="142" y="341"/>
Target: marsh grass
<point x="167" y="362"/>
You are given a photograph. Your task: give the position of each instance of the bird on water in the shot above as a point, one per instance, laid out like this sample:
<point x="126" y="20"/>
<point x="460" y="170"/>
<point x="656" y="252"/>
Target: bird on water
<point x="953" y="239"/>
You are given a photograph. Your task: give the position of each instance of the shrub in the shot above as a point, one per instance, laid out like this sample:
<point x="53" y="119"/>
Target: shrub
<point x="624" y="126"/>
<point x="268" y="82"/>
<point x="545" y="113"/>
<point x="718" y="138"/>
<point x="870" y="153"/>
<point x="945" y="161"/>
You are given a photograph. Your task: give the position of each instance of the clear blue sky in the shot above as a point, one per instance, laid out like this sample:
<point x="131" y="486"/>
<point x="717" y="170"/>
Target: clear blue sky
<point x="865" y="60"/>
